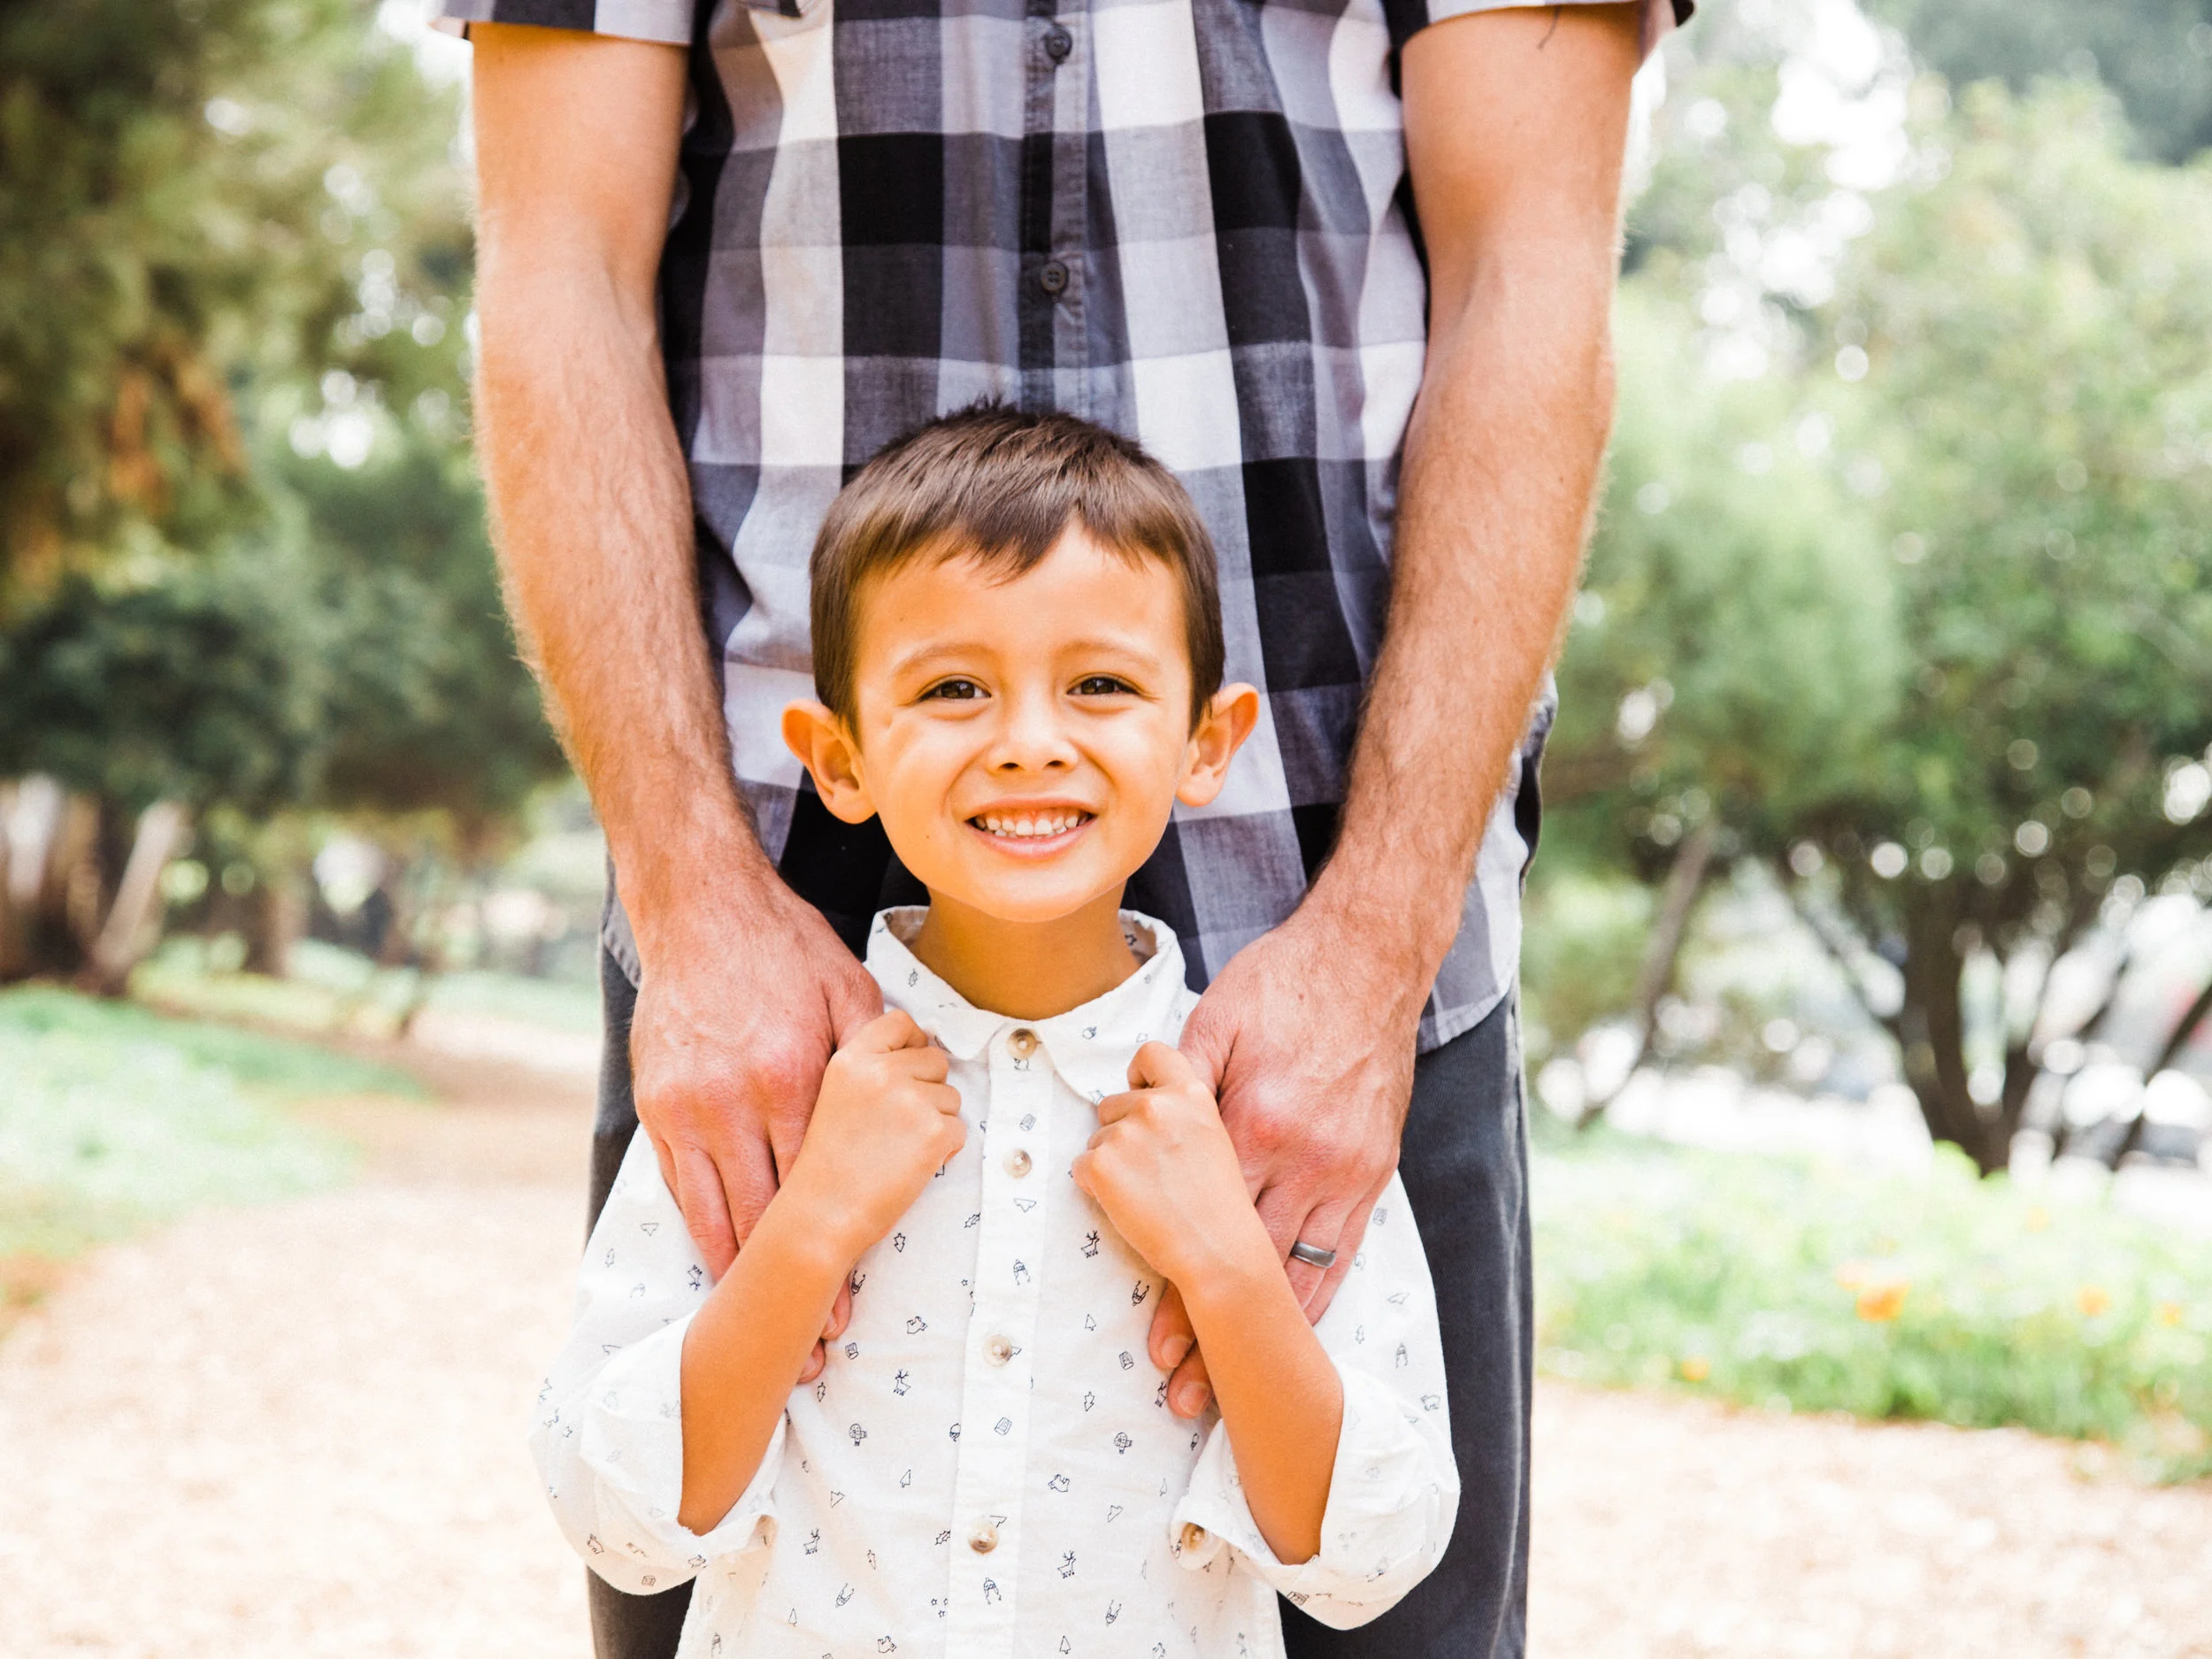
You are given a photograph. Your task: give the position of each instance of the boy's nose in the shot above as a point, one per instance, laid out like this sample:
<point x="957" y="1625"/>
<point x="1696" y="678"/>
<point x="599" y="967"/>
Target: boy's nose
<point x="1033" y="738"/>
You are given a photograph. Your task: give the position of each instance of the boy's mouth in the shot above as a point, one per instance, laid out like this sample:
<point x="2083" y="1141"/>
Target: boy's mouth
<point x="1030" y="826"/>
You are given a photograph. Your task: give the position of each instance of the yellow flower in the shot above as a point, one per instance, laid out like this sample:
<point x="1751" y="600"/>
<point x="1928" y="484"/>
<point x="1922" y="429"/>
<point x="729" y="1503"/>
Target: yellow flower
<point x="2091" y="1300"/>
<point x="2167" y="1312"/>
<point x="1879" y="1302"/>
<point x="1695" y="1369"/>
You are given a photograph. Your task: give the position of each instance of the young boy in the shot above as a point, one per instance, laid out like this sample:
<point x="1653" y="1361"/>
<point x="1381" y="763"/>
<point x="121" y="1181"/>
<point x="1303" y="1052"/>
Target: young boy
<point x="1018" y="654"/>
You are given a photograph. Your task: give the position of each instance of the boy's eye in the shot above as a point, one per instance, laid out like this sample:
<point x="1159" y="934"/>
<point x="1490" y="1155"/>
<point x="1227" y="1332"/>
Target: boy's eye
<point x="1102" y="685"/>
<point x="954" y="690"/>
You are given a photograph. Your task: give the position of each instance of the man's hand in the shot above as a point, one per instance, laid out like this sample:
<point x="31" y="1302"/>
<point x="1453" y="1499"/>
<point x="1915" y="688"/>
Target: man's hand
<point x="1307" y="1038"/>
<point x="1516" y="122"/>
<point x="727" y="1051"/>
<point x="736" y="1020"/>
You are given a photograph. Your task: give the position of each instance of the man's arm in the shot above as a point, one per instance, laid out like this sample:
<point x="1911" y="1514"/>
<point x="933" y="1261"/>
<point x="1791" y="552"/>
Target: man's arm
<point x="1516" y="122"/>
<point x="745" y="989"/>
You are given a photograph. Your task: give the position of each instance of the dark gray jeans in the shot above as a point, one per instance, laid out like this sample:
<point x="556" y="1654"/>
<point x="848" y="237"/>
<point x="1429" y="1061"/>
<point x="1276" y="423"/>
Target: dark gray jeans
<point x="1465" y="1164"/>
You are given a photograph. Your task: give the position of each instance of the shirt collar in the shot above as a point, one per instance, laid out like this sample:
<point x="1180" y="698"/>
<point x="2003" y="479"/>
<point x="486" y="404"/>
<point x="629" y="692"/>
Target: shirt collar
<point x="1090" y="1045"/>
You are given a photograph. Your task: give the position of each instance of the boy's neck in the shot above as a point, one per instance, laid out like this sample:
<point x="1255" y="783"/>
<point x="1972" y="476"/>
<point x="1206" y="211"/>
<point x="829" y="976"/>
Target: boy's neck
<point x="1027" y="970"/>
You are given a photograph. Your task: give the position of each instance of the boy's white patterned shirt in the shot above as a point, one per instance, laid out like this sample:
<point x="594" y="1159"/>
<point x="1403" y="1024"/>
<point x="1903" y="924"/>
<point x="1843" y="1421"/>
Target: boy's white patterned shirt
<point x="987" y="1467"/>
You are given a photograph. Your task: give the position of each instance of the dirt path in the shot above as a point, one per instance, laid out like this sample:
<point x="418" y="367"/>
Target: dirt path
<point x="294" y="1432"/>
<point x="1672" y="1529"/>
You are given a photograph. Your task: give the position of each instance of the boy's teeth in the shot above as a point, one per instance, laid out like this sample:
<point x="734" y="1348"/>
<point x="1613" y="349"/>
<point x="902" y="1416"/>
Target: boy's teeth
<point x="1030" y="825"/>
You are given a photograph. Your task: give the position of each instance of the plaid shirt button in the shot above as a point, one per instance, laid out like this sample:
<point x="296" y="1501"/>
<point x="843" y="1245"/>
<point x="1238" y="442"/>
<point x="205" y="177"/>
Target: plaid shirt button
<point x="1058" y="44"/>
<point x="1053" y="278"/>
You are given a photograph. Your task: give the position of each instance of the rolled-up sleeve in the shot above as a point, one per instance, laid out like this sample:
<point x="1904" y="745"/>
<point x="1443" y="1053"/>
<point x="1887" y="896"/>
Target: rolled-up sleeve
<point x="1394" y="1489"/>
<point x="608" y="1438"/>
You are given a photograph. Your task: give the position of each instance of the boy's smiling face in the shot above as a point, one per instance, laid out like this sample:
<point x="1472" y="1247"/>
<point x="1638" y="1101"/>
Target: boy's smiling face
<point x="1023" y="739"/>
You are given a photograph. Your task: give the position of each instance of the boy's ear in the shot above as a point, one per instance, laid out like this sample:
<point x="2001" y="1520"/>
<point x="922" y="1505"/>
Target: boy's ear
<point x="1229" y="716"/>
<point x="819" y="737"/>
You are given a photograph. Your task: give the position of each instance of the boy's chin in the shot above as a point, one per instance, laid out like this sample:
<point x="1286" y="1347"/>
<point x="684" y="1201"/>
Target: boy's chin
<point x="1028" y="904"/>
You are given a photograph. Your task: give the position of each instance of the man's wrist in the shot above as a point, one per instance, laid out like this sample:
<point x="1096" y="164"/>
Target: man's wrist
<point x="1401" y="929"/>
<point x="707" y="876"/>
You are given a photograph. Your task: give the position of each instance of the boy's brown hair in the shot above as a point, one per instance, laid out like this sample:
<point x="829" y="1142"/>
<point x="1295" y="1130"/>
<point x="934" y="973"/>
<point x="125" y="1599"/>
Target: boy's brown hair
<point x="1000" y="486"/>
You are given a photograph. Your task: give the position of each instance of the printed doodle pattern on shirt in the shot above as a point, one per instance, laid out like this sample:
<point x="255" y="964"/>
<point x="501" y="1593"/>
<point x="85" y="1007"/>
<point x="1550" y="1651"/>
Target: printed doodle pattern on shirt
<point x="875" y="1525"/>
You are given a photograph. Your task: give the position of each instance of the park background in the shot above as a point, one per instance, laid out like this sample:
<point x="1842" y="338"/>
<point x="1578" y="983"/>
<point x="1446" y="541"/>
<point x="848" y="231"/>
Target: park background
<point x="1867" y="961"/>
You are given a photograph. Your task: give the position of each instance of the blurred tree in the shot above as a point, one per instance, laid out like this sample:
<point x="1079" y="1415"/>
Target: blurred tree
<point x="2156" y="55"/>
<point x="195" y="200"/>
<point x="243" y="569"/>
<point x="2035" y="329"/>
<point x="1918" y="609"/>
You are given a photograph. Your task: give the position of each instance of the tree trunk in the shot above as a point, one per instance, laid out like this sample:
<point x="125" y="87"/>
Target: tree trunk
<point x="277" y="915"/>
<point x="14" y="940"/>
<point x="1663" y="951"/>
<point x="1932" y="1029"/>
<point x="133" y="920"/>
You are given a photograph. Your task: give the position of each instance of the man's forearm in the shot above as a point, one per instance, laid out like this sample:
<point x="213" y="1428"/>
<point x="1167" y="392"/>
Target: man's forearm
<point x="1500" y="465"/>
<point x="595" y="548"/>
<point x="1502" y="456"/>
<point x="590" y="497"/>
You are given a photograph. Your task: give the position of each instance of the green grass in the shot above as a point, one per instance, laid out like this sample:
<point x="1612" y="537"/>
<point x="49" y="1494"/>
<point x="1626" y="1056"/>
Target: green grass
<point x="1795" y="1285"/>
<point x="113" y="1117"/>
<point x="330" y="990"/>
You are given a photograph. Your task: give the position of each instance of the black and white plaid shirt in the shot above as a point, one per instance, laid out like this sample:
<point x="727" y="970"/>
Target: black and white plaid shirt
<point x="1185" y="219"/>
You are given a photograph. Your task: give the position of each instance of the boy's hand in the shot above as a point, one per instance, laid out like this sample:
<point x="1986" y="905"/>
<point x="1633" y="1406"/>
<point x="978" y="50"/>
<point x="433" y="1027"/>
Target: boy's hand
<point x="885" y="1122"/>
<point x="1163" y="1169"/>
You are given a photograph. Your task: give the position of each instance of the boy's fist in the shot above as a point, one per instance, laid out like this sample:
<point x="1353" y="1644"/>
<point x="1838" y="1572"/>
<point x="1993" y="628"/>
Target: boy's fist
<point x="885" y="1122"/>
<point x="1163" y="1169"/>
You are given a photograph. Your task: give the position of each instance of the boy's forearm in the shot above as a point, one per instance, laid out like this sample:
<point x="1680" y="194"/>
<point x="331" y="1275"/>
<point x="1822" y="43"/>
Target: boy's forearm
<point x="1279" y="1396"/>
<point x="743" y="1353"/>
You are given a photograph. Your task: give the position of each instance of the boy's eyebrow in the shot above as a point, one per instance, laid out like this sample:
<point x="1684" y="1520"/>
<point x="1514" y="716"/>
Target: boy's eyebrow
<point x="921" y="655"/>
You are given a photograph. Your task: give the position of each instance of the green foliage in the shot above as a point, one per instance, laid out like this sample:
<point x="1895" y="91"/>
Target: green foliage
<point x="2040" y="328"/>
<point x="1903" y="571"/>
<point x="114" y="1119"/>
<point x="1582" y="941"/>
<point x="429" y="703"/>
<point x="196" y="202"/>
<point x="1802" y="1287"/>
<point x="206" y="686"/>
<point x="2155" y="54"/>
<point x="247" y="568"/>
<point x="1736" y="585"/>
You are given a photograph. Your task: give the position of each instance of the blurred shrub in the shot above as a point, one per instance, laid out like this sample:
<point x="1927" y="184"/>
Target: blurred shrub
<point x="1582" y="941"/>
<point x="1800" y="1286"/>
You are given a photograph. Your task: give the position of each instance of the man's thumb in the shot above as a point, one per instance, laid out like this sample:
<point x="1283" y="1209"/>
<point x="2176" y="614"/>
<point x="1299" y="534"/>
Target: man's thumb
<point x="1205" y="1044"/>
<point x="854" y="999"/>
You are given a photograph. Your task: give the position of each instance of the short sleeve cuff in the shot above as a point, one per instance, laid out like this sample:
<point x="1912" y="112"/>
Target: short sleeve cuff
<point x="1408" y="17"/>
<point x="1393" y="1495"/>
<point x="666" y="22"/>
<point x="634" y="1450"/>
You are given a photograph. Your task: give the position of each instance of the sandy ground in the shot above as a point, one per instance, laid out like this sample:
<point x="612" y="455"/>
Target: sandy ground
<point x="296" y="1432"/>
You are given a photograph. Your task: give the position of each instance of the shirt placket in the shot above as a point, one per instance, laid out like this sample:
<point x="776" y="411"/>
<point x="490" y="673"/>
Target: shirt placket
<point x="1056" y="176"/>
<point x="996" y="1393"/>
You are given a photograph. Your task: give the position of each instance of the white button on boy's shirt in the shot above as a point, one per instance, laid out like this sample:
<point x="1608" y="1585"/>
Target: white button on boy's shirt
<point x="987" y="1465"/>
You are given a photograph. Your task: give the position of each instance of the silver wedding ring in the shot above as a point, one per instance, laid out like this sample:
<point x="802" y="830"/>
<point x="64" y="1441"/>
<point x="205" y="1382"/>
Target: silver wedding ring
<point x="1313" y="1255"/>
